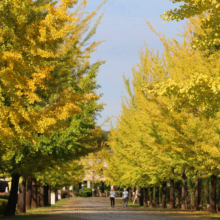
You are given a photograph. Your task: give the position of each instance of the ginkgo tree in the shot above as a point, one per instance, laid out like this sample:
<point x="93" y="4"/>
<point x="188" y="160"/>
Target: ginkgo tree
<point x="210" y="34"/>
<point x="94" y="167"/>
<point x="139" y="144"/>
<point x="192" y="92"/>
<point x="62" y="174"/>
<point x="171" y="120"/>
<point x="32" y="32"/>
<point x="44" y="61"/>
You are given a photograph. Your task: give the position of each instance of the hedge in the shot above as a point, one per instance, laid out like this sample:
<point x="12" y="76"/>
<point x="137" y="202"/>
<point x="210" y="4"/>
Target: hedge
<point x="86" y="193"/>
<point x="4" y="196"/>
<point x="3" y="203"/>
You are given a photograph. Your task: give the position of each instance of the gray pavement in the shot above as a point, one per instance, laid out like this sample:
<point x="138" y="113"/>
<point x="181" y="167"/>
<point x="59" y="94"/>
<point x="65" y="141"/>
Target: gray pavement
<point x="99" y="209"/>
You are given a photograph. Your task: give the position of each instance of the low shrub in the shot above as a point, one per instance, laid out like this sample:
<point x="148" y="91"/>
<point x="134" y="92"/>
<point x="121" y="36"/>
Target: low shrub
<point x="3" y="203"/>
<point x="86" y="193"/>
<point x="4" y="196"/>
<point x="76" y="193"/>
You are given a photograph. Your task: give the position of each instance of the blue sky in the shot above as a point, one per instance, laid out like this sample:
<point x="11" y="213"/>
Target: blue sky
<point x="124" y="30"/>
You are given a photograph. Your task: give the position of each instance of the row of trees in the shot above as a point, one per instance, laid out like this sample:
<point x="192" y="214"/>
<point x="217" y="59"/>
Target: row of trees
<point x="48" y="98"/>
<point x="169" y="125"/>
<point x="32" y="194"/>
<point x="94" y="166"/>
<point x="36" y="191"/>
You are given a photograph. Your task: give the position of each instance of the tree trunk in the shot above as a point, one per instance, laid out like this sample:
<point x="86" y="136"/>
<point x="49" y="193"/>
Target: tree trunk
<point x="196" y="204"/>
<point x="38" y="195"/>
<point x="80" y="185"/>
<point x="68" y="191"/>
<point x="103" y="187"/>
<point x="98" y="191"/>
<point x="164" y="189"/>
<point x="171" y="193"/>
<point x="151" y="197"/>
<point x="213" y="194"/>
<point x="34" y="194"/>
<point x="156" y="196"/>
<point x="130" y="195"/>
<point x="46" y="203"/>
<point x="49" y="196"/>
<point x="28" y="193"/>
<point x="141" y="202"/>
<point x="21" y="207"/>
<point x="93" y="190"/>
<point x="56" y="195"/>
<point x="41" y="196"/>
<point x="145" y="197"/>
<point x="12" y="201"/>
<point x="183" y="206"/>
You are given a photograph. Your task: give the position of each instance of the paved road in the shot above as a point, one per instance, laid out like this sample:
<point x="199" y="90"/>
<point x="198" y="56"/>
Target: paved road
<point x="99" y="209"/>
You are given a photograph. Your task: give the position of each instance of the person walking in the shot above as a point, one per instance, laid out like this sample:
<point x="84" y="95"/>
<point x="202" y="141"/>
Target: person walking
<point x="125" y="197"/>
<point x="112" y="198"/>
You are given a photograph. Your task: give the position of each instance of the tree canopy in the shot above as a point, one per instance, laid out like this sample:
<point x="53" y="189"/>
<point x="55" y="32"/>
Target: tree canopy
<point x="48" y="86"/>
<point x="170" y="119"/>
<point x="209" y="23"/>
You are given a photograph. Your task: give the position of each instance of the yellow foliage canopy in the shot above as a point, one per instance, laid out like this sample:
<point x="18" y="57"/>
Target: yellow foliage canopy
<point x="171" y="118"/>
<point x="33" y="36"/>
<point x="209" y="22"/>
<point x="94" y="165"/>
